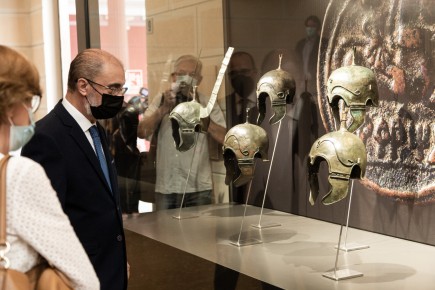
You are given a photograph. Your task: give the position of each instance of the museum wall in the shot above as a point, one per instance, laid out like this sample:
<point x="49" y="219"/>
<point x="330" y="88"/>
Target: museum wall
<point x="17" y="17"/>
<point x="395" y="40"/>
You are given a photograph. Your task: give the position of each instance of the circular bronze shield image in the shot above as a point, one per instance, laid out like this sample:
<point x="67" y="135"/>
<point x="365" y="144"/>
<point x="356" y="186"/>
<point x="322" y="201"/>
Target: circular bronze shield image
<point x="396" y="39"/>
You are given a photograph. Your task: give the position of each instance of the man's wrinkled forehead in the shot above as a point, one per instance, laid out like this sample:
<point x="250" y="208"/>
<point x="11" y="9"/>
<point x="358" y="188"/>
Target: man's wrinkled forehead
<point x="187" y="67"/>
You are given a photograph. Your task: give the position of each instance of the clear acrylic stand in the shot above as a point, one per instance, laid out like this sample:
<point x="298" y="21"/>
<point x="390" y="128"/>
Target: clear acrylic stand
<point x="341" y="274"/>
<point x="187" y="216"/>
<point x="249" y="241"/>
<point x="268" y="225"/>
<point x="348" y="247"/>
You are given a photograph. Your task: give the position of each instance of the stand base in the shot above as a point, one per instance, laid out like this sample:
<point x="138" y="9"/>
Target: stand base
<point x="352" y="247"/>
<point x="246" y="242"/>
<point x="263" y="226"/>
<point x="342" y="274"/>
<point x="187" y="216"/>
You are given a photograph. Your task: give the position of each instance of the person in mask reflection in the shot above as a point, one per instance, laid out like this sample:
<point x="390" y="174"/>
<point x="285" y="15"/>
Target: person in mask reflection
<point x="36" y="226"/>
<point x="307" y="52"/>
<point x="243" y="77"/>
<point x="172" y="166"/>
<point x="71" y="146"/>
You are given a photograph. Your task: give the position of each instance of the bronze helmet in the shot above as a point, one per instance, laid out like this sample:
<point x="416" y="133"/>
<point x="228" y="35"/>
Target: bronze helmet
<point x="280" y="86"/>
<point x="346" y="156"/>
<point x="185" y="120"/>
<point x="357" y="87"/>
<point x="242" y="144"/>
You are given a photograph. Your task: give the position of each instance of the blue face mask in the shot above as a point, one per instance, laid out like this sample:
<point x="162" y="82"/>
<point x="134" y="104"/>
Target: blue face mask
<point x="311" y="31"/>
<point x="20" y="135"/>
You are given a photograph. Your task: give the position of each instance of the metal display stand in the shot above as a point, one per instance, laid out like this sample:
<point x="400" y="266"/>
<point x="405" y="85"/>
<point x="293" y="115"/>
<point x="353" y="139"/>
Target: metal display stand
<point x="268" y="225"/>
<point x="348" y="247"/>
<point x="250" y="241"/>
<point x="341" y="274"/>
<point x="187" y="216"/>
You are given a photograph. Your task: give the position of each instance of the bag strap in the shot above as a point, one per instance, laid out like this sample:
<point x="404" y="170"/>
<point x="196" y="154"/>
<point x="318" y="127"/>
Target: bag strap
<point x="3" y="164"/>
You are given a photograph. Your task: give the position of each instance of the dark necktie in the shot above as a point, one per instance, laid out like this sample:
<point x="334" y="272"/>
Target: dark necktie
<point x="99" y="150"/>
<point x="242" y="117"/>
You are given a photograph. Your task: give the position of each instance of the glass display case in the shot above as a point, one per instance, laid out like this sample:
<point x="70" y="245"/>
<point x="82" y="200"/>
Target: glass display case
<point x="314" y="38"/>
<point x="173" y="52"/>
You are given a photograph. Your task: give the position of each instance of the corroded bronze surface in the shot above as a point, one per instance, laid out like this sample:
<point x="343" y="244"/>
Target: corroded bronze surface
<point x="242" y="144"/>
<point x="396" y="40"/>
<point x="280" y="86"/>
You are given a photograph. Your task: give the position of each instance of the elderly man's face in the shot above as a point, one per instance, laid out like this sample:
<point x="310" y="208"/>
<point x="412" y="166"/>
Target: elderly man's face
<point x="186" y="77"/>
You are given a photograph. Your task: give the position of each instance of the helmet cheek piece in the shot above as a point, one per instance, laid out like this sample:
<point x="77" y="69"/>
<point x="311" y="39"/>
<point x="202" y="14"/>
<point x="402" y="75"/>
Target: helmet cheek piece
<point x="231" y="166"/>
<point x="246" y="167"/>
<point x="184" y="136"/>
<point x="278" y="102"/>
<point x="261" y="104"/>
<point x="357" y="112"/>
<point x="240" y="171"/>
<point x="338" y="181"/>
<point x="313" y="179"/>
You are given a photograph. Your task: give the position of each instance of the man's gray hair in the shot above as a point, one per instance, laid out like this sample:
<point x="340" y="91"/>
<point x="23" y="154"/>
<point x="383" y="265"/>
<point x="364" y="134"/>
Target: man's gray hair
<point x="189" y="58"/>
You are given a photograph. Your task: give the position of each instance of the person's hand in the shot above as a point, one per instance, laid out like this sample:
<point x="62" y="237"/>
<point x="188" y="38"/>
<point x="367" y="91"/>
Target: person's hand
<point x="168" y="101"/>
<point x="128" y="270"/>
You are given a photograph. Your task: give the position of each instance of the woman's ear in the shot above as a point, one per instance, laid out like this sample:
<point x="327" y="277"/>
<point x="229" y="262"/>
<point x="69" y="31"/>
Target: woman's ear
<point x="82" y="85"/>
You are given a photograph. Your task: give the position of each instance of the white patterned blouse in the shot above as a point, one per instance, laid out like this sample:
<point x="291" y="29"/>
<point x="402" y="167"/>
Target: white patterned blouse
<point x="37" y="225"/>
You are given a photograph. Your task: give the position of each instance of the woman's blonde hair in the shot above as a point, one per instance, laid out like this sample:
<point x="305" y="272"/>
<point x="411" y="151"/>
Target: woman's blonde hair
<point x="19" y="80"/>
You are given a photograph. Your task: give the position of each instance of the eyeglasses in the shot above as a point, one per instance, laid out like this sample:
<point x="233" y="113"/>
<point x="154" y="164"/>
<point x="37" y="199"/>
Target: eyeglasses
<point x="184" y="73"/>
<point x="33" y="102"/>
<point x="116" y="91"/>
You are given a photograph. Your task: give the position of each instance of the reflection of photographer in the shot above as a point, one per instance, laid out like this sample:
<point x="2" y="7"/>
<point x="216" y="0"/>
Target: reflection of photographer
<point x="172" y="166"/>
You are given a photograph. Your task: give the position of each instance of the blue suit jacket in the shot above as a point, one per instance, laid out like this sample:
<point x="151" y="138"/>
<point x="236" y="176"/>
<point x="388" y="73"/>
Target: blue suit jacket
<point x="71" y="164"/>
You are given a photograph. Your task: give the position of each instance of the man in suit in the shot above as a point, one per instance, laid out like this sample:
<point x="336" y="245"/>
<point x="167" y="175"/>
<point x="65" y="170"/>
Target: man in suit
<point x="243" y="75"/>
<point x="307" y="52"/>
<point x="71" y="146"/>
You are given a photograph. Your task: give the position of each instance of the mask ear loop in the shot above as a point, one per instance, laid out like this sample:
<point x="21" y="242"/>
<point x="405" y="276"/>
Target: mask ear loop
<point x="29" y="112"/>
<point x="10" y="121"/>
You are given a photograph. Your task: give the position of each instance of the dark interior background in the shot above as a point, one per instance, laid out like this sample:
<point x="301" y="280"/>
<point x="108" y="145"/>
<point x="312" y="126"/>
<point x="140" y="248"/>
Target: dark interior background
<point x="262" y="28"/>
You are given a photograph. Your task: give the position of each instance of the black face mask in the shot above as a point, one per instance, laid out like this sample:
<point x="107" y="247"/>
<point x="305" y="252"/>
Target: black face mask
<point x="110" y="106"/>
<point x="242" y="85"/>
